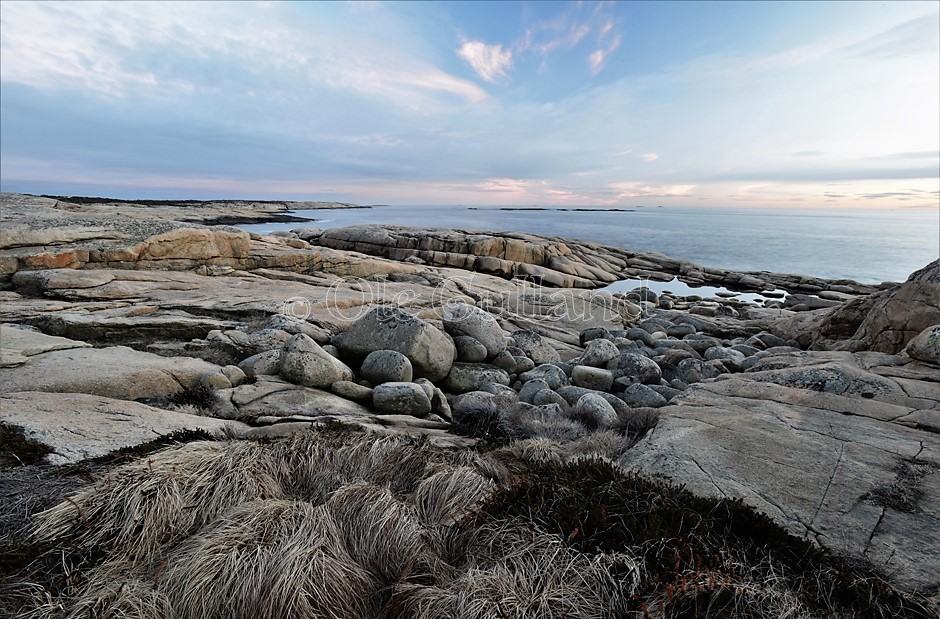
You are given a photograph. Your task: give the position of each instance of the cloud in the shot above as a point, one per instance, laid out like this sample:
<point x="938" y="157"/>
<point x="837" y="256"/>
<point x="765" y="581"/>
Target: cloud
<point x="154" y="50"/>
<point x="649" y="156"/>
<point x="917" y="36"/>
<point x="639" y="190"/>
<point x="491" y="62"/>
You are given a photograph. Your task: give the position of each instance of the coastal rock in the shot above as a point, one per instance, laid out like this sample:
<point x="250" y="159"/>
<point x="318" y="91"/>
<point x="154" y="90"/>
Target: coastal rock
<point x="471" y="350"/>
<point x="84" y="426"/>
<point x="271" y="396"/>
<point x="635" y="368"/>
<point x="553" y="376"/>
<point x="401" y="398"/>
<point x="592" y="378"/>
<point x="592" y="406"/>
<point x="884" y="322"/>
<point x="430" y="351"/>
<point x="820" y="464"/>
<point x="114" y="372"/>
<point x="471" y="321"/>
<point x="352" y="391"/>
<point x="18" y="345"/>
<point x="638" y="395"/>
<point x="598" y="353"/>
<point x="535" y="347"/>
<point x="386" y="366"/>
<point x="925" y="346"/>
<point x="303" y="362"/>
<point x="263" y="363"/>
<point x="466" y="377"/>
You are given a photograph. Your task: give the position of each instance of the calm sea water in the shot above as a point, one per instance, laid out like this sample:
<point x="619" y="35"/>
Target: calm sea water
<point x="867" y="246"/>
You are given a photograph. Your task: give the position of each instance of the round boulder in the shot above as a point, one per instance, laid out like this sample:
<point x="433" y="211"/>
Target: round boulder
<point x="466" y="377"/>
<point x="401" y="399"/>
<point x="598" y="410"/>
<point x="303" y="362"/>
<point x="592" y="378"/>
<point x="469" y="349"/>
<point x="925" y="346"/>
<point x="535" y="347"/>
<point x="386" y="366"/>
<point x="636" y="367"/>
<point x="464" y="319"/>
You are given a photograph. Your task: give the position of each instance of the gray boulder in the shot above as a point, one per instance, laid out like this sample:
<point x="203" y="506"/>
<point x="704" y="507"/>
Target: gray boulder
<point x="695" y="371"/>
<point x="530" y="388"/>
<point x="925" y="346"/>
<point x="597" y="409"/>
<point x="264" y="363"/>
<point x="471" y="350"/>
<point x="352" y="391"/>
<point x="401" y="399"/>
<point x="547" y="396"/>
<point x="303" y="362"/>
<point x="466" y="377"/>
<point x="598" y="353"/>
<point x="635" y="367"/>
<point x="386" y="366"/>
<point x="430" y="351"/>
<point x="464" y="319"/>
<point x="551" y="374"/>
<point x="637" y="396"/>
<point x="535" y="347"/>
<point x="592" y="378"/>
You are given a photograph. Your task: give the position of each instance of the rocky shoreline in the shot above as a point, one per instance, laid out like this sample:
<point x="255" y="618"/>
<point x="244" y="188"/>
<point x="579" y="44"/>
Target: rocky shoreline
<point x="124" y="323"/>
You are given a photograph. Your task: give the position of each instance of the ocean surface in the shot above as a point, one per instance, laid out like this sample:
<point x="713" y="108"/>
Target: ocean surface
<point x="867" y="246"/>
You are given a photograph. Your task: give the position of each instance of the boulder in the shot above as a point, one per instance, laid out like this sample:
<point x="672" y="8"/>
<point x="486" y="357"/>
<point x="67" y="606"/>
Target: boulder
<point x="925" y="346"/>
<point x="401" y="398"/>
<point x="530" y="388"/>
<point x="535" y="347"/>
<point x="272" y="396"/>
<point x="471" y="350"/>
<point x="554" y="376"/>
<point x="598" y="353"/>
<point x="592" y="378"/>
<point x="642" y="396"/>
<point x="466" y="377"/>
<point x="303" y="362"/>
<point x="595" y="408"/>
<point x="352" y="391"/>
<point x="430" y="351"/>
<point x="386" y="366"/>
<point x="636" y="368"/>
<point x="262" y="363"/>
<point x="469" y="320"/>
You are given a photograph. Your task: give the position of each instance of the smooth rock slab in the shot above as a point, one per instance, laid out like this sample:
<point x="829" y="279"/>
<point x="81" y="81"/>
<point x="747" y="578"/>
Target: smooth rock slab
<point x="809" y="460"/>
<point x="79" y="426"/>
<point x="18" y="345"/>
<point x="115" y="372"/>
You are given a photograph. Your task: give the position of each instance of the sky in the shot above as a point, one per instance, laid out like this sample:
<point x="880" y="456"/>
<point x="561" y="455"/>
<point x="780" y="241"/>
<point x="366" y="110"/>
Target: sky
<point x="784" y="105"/>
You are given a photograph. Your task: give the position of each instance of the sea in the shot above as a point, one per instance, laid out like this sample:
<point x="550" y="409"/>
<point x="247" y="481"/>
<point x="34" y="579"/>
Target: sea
<point x="869" y="246"/>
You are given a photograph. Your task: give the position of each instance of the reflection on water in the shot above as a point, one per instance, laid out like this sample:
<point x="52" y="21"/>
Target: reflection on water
<point x="867" y="246"/>
<point x="680" y="289"/>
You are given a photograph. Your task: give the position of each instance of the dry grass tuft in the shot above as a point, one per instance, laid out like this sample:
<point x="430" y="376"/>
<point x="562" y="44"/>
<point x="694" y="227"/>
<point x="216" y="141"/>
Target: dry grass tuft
<point x="270" y="558"/>
<point x="141" y="506"/>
